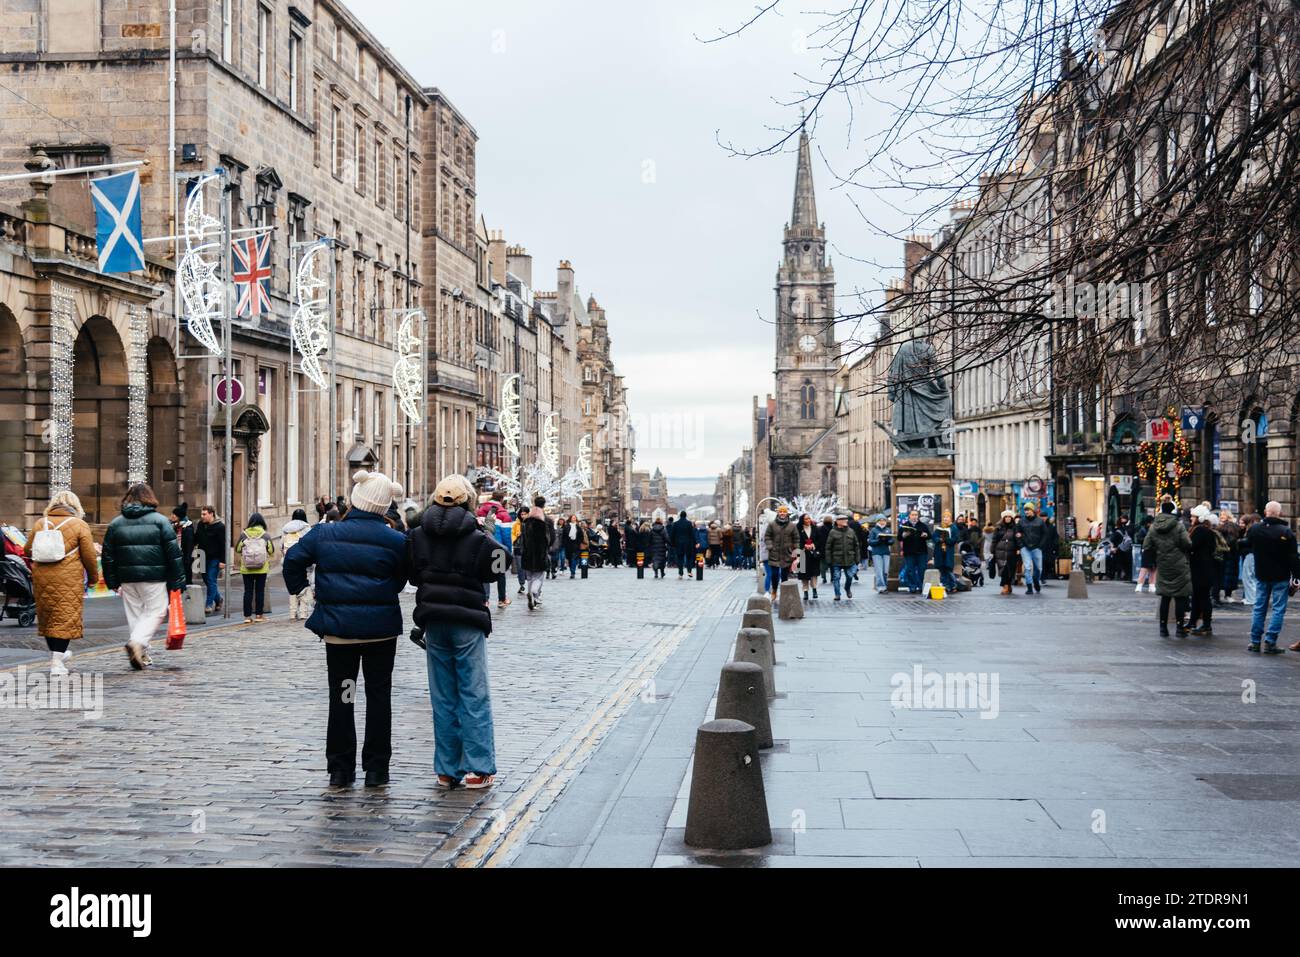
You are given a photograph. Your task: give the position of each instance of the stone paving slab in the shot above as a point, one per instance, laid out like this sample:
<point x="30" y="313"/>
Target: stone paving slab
<point x="1111" y="746"/>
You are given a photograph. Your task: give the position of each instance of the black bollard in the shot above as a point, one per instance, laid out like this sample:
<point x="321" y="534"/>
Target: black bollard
<point x="640" y="564"/>
<point x="741" y="696"/>
<point x="728" y="808"/>
<point x="699" y="568"/>
<point x="583" y="563"/>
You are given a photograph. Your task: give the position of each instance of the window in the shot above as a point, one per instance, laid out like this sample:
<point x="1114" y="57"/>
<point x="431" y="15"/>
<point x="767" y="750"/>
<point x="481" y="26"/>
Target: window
<point x="381" y="170"/>
<point x="1255" y="299"/>
<point x="263" y="47"/>
<point x="359" y="158"/>
<point x="336" y="140"/>
<point x="358" y="406"/>
<point x="336" y="48"/>
<point x="356" y="64"/>
<point x="228" y="30"/>
<point x="808" y="400"/>
<point x="399" y="187"/>
<point x="295" y="72"/>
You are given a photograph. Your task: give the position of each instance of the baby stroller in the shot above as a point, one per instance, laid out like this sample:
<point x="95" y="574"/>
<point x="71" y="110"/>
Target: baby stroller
<point x="972" y="567"/>
<point x="20" y="602"/>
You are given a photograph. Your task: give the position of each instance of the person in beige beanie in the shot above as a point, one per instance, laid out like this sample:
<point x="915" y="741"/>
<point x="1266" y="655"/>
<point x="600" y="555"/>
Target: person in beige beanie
<point x="361" y="569"/>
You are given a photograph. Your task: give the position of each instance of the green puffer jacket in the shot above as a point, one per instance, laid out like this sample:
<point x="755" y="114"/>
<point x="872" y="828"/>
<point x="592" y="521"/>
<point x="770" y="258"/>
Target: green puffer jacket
<point x="842" y="547"/>
<point x="140" y="546"/>
<point x="781" y="540"/>
<point x="1171" y="544"/>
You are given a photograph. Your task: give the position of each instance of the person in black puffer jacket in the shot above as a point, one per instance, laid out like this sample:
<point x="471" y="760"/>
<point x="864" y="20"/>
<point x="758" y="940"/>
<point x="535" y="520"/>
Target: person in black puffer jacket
<point x="142" y="562"/>
<point x="659" y="548"/>
<point x="538" y="539"/>
<point x="451" y="558"/>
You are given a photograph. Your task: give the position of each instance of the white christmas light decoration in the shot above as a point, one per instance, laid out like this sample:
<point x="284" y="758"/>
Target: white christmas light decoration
<point x="408" y="376"/>
<point x="814" y="505"/>
<point x="548" y="450"/>
<point x="137" y="399"/>
<point x="583" y="466"/>
<point x="510" y="415"/>
<point x="310" y="325"/>
<point x="198" y="277"/>
<point x="742" y="505"/>
<point x="62" y="320"/>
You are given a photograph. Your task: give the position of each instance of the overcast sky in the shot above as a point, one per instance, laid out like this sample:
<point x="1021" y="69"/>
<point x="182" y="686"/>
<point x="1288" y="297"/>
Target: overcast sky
<point x="598" y="130"/>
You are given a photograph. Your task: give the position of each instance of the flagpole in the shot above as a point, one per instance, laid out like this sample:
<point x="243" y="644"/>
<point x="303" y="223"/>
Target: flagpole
<point x="13" y="177"/>
<point x="227" y="265"/>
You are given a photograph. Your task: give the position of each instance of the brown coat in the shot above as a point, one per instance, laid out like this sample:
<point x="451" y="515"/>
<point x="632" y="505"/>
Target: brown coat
<point x="61" y="587"/>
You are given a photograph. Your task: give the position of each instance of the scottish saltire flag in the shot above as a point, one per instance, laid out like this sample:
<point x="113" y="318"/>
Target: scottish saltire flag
<point x="117" y="222"/>
<point x="252" y="275"/>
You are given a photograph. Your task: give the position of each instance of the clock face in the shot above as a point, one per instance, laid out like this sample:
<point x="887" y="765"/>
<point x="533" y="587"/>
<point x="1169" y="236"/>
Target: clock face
<point x="808" y="343"/>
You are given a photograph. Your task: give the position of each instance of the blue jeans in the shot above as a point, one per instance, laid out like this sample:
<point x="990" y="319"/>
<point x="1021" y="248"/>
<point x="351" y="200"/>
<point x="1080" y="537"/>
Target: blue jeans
<point x="774" y="575"/>
<point x="210" y="578"/>
<point x="462" y="707"/>
<point x="847" y="572"/>
<point x="881" y="563"/>
<point x="519" y="568"/>
<point x="914" y="570"/>
<point x="1033" y="560"/>
<point x="1249" y="583"/>
<point x="685" y="560"/>
<point x="573" y="565"/>
<point x="1266" y="593"/>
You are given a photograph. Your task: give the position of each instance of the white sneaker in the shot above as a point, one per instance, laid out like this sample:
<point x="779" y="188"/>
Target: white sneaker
<point x="1138" y="588"/>
<point x="1151" y="589"/>
<point x="57" y="667"/>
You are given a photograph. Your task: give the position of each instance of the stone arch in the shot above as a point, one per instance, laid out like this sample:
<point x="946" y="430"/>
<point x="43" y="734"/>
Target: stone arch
<point x="13" y="418"/>
<point x="99" y="418"/>
<point x="1254" y="454"/>
<point x="166" y="408"/>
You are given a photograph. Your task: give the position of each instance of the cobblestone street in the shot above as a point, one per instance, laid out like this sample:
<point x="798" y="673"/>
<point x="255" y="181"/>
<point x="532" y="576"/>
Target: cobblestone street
<point x="216" y="755"/>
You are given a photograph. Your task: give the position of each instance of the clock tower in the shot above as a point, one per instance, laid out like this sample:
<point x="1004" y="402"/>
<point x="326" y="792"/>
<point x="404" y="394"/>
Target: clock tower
<point x="804" y="449"/>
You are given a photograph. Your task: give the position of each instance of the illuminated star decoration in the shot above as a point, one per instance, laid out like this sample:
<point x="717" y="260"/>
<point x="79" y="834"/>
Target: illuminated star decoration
<point x="198" y="279"/>
<point x="408" y="378"/>
<point x="310" y="324"/>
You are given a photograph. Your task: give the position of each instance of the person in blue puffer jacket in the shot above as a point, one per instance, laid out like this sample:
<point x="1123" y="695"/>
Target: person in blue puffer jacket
<point x="361" y="567"/>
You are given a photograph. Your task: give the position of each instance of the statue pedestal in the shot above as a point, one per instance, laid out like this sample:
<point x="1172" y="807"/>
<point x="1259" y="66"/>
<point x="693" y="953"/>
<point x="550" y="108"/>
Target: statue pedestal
<point x="924" y="482"/>
<point x="912" y="478"/>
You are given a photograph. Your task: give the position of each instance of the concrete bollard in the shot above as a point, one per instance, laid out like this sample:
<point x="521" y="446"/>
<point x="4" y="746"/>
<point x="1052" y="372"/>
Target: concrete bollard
<point x="727" y="809"/>
<point x="760" y="619"/>
<point x="741" y="696"/>
<point x="755" y="645"/>
<point x="790" y="604"/>
<point x="192" y="600"/>
<point x="1078" y="585"/>
<point x="759" y="603"/>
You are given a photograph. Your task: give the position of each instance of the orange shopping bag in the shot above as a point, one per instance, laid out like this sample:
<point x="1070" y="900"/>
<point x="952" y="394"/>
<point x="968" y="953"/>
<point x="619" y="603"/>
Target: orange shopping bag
<point x="175" y="622"/>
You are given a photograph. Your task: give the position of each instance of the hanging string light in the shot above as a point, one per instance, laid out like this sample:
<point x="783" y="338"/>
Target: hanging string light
<point x="1166" y="465"/>
<point x="137" y="398"/>
<point x="59" y="432"/>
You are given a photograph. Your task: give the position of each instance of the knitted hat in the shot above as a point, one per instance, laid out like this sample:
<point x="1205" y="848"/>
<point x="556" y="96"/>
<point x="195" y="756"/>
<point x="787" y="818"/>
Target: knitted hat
<point x="1008" y="514"/>
<point x="453" y="490"/>
<point x="374" y="492"/>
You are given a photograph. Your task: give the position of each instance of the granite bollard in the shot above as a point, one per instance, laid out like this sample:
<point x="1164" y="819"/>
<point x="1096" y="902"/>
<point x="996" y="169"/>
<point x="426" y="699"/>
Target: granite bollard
<point x="789" y="602"/>
<point x="755" y="645"/>
<point x="727" y="809"/>
<point x="741" y="695"/>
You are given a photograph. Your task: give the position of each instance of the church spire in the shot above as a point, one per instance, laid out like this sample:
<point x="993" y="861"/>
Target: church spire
<point x="805" y="199"/>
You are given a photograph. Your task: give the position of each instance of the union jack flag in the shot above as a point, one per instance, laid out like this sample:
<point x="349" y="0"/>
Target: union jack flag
<point x="252" y="276"/>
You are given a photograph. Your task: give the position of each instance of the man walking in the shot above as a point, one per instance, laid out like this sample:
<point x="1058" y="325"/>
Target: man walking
<point x="842" y="554"/>
<point x="782" y="540"/>
<point x="1031" y="535"/>
<point x="1274" y="546"/>
<point x="210" y="537"/>
<point x="682" y="534"/>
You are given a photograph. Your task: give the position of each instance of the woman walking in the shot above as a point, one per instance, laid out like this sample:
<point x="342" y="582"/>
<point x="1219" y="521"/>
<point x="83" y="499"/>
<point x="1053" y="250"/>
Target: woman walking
<point x="63" y="561"/>
<point x="451" y="561"/>
<point x="255" y="549"/>
<point x="1005" y="550"/>
<point x="1170" y="543"/>
<point x="142" y="562"/>
<point x="1246" y="561"/>
<point x="1146" y="561"/>
<point x="1205" y="571"/>
<point x="658" y="539"/>
<point x="575" y="543"/>
<point x="293" y="531"/>
<point x="810" y="569"/>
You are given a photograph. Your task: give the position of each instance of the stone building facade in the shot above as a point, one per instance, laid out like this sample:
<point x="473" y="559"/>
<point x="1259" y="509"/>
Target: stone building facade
<point x="324" y="135"/>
